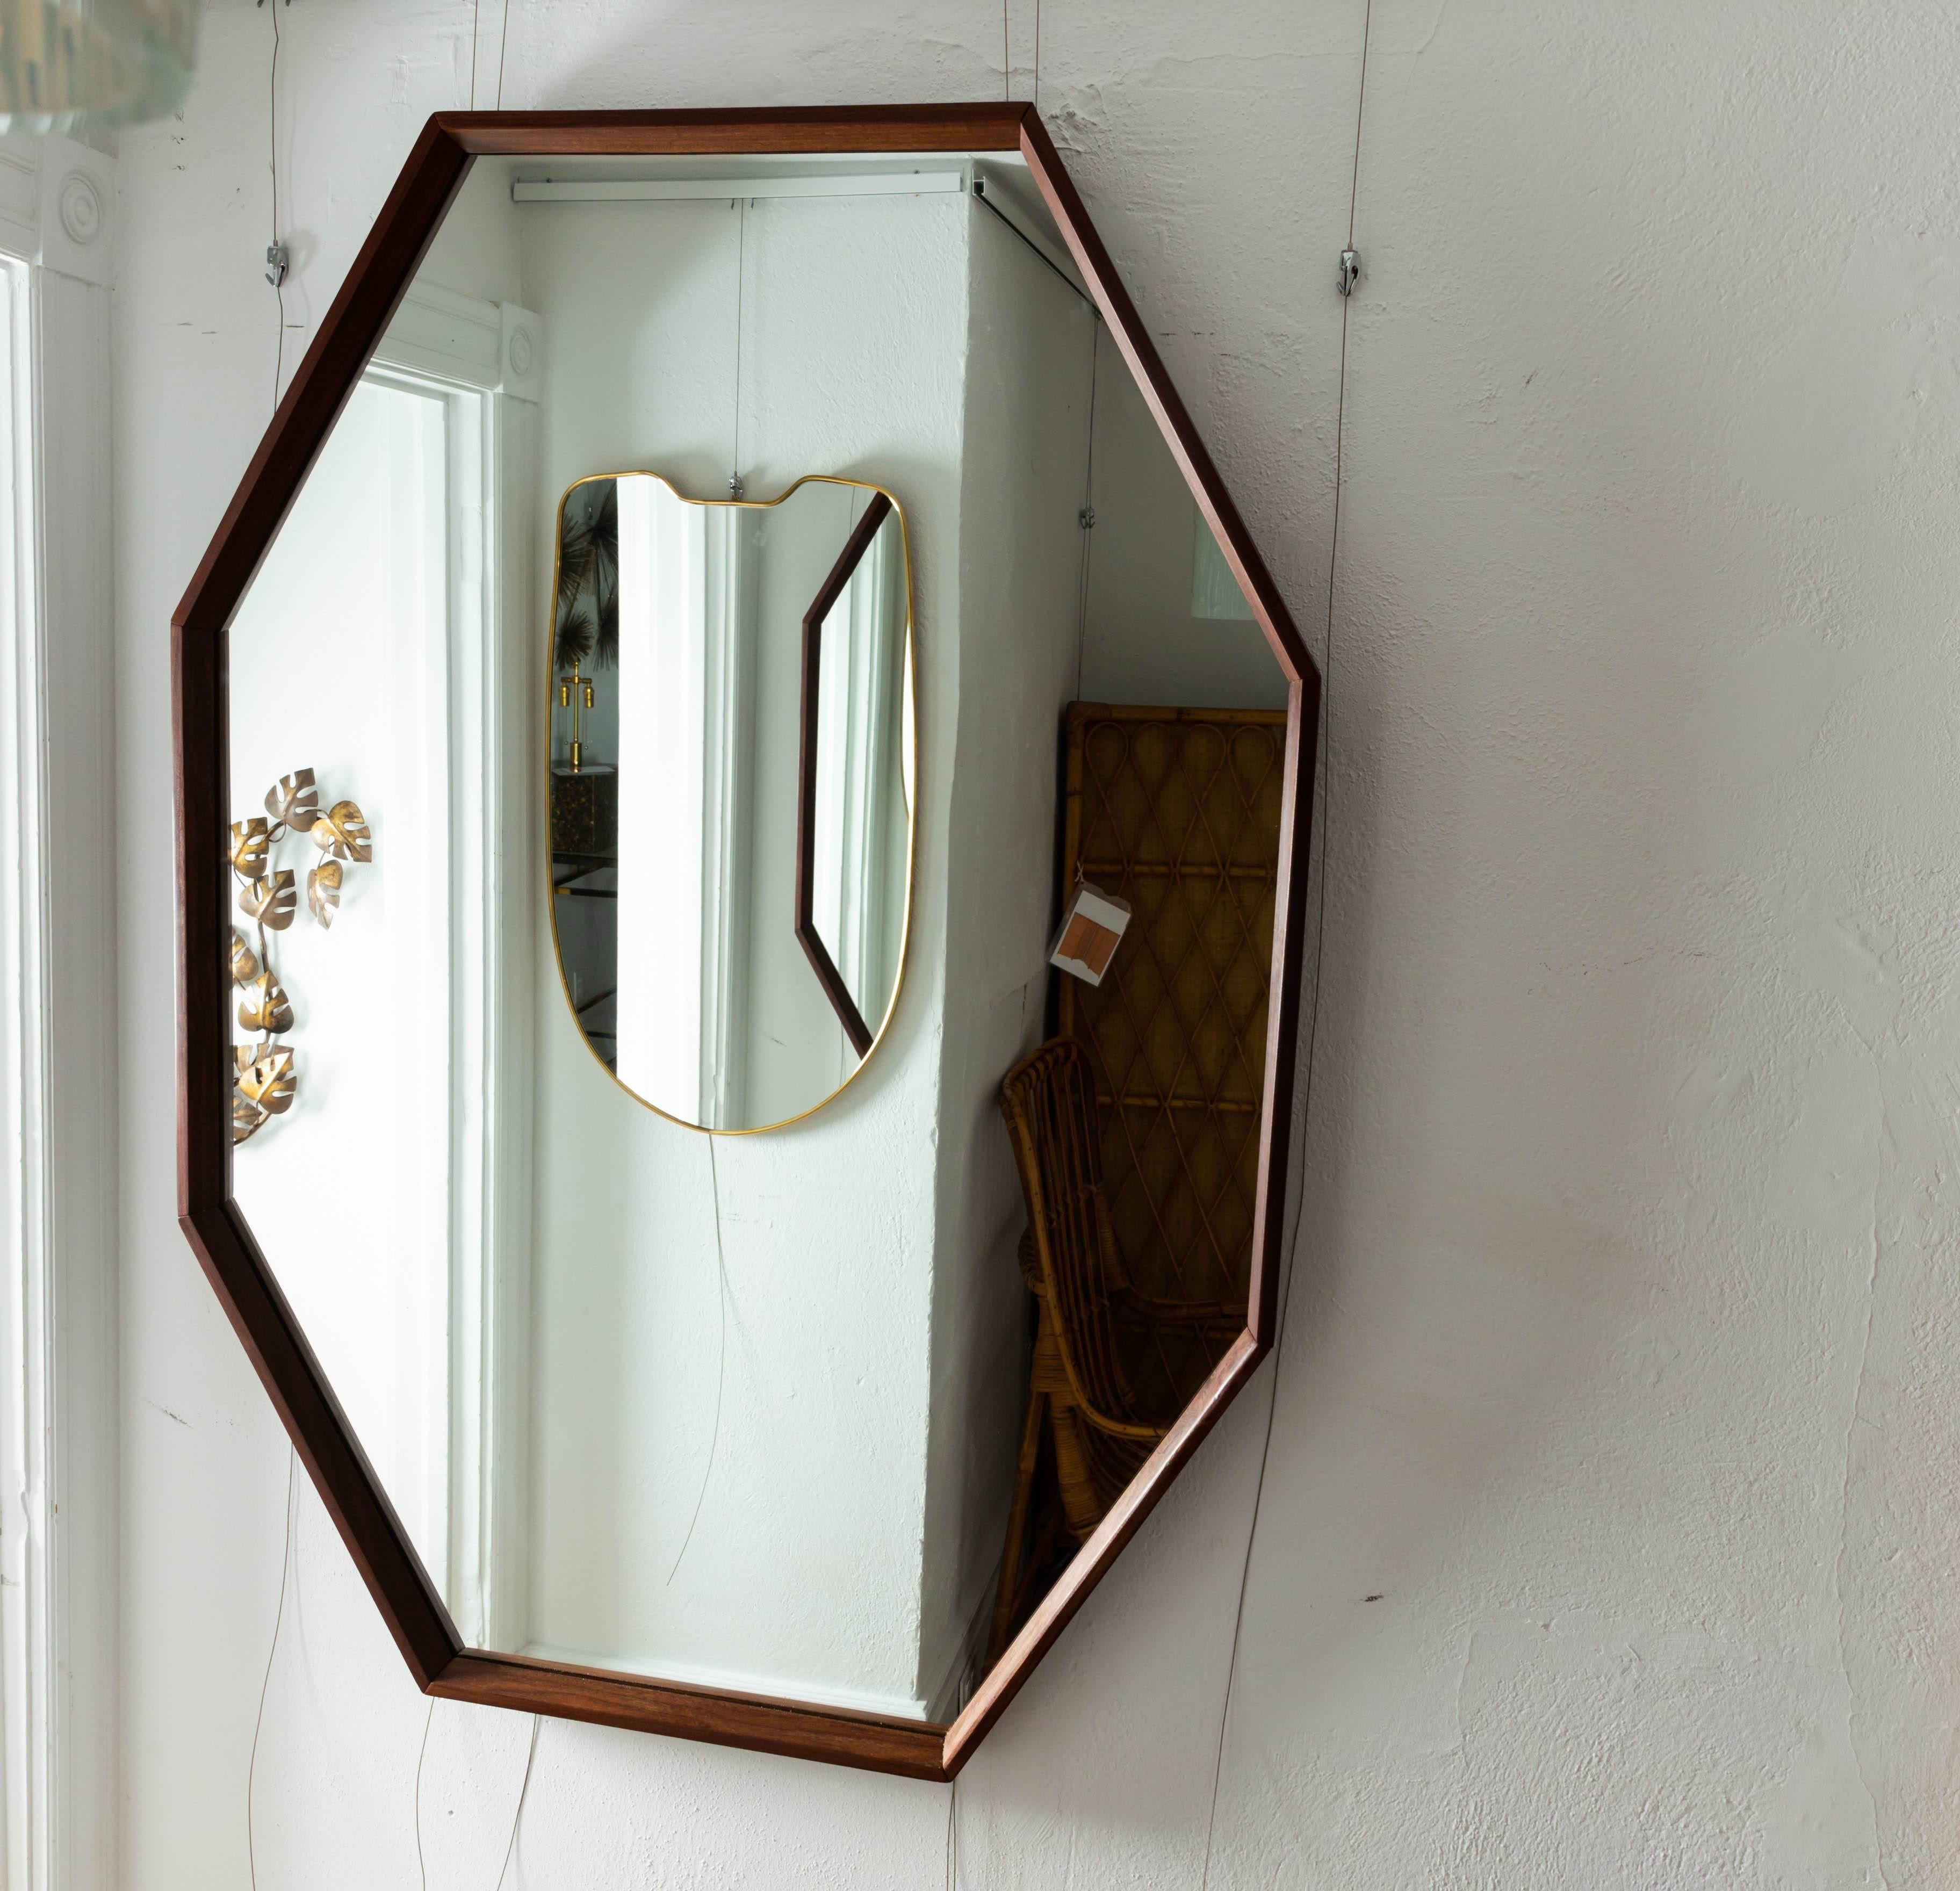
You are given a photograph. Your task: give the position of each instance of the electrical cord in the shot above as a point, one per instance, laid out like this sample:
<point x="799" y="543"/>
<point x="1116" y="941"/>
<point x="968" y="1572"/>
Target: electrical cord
<point x="1320" y="950"/>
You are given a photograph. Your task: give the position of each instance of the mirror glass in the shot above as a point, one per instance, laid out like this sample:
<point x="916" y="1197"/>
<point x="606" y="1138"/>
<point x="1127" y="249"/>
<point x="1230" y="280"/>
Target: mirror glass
<point x="730" y="789"/>
<point x="745" y="618"/>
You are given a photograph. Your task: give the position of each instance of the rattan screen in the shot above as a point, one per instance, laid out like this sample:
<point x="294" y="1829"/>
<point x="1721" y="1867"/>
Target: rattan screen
<point x="1177" y="811"/>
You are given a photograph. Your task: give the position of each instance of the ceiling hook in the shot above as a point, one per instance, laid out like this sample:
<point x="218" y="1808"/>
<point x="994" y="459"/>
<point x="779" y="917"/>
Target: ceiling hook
<point x="1351" y="270"/>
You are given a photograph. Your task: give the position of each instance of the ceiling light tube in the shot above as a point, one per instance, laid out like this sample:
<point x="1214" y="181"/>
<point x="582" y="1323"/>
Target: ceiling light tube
<point x="596" y="190"/>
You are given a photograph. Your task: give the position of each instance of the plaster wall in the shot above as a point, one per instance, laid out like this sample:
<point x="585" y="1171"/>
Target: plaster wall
<point x="1022" y="461"/>
<point x="350" y="1190"/>
<point x="801" y="1438"/>
<point x="1607" y="1523"/>
<point x="1141" y="642"/>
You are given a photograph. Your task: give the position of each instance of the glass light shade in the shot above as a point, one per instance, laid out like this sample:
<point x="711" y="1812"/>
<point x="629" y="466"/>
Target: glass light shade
<point x="70" y="65"/>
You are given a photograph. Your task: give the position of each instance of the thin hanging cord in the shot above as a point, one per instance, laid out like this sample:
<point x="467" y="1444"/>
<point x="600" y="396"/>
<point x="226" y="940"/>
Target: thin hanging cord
<point x="421" y="1753"/>
<point x="475" y="29"/>
<point x="1320" y="950"/>
<point x="952" y="1835"/>
<point x="1087" y="513"/>
<point x="518" y="1817"/>
<point x="741" y="276"/>
<point x="272" y="140"/>
<point x="720" y="1365"/>
<point x="1037" y="98"/>
<point x="264" y="1686"/>
<point x="1007" y="70"/>
<point x="503" y="44"/>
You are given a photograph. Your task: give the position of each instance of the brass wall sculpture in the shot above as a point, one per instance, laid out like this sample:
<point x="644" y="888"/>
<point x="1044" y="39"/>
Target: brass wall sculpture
<point x="264" y="1082"/>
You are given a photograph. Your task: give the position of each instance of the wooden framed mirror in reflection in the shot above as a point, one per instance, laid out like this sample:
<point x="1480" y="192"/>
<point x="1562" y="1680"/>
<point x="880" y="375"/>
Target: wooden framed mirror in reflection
<point x="795" y="580"/>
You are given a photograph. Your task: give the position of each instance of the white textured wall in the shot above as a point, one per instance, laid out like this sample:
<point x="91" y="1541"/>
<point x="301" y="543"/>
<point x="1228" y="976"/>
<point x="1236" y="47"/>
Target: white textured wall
<point x="1026" y="436"/>
<point x="1619" y="1366"/>
<point x="807" y="1452"/>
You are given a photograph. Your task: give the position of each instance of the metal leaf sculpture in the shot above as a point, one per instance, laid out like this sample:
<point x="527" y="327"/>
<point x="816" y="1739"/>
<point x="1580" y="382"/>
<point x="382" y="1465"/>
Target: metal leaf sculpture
<point x="266" y="1076"/>
<point x="342" y="832"/>
<point x="246" y="1117"/>
<point x="250" y="840"/>
<point x="323" y="891"/>
<point x="266" y="1007"/>
<point x="293" y="801"/>
<point x="264" y="1082"/>
<point x="271" y="900"/>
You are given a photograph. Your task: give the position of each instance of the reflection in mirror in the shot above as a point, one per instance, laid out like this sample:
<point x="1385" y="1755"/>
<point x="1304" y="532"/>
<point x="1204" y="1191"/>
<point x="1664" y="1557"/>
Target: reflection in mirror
<point x="730" y="830"/>
<point x="762" y="812"/>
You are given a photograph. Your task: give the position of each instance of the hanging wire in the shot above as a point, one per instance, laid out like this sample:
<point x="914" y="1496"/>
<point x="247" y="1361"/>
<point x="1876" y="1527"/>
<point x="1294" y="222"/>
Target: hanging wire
<point x="741" y="274"/>
<point x="503" y="43"/>
<point x="1086" y="517"/>
<point x="421" y="1753"/>
<point x="476" y="27"/>
<point x="265" y="1685"/>
<point x="518" y="1817"/>
<point x="272" y="140"/>
<point x="1007" y="70"/>
<point x="1319" y="951"/>
<point x="721" y="1366"/>
<point x="952" y="1835"/>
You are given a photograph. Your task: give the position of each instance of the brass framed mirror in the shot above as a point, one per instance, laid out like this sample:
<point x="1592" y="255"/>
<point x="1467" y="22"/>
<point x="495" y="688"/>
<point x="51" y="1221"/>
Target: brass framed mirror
<point x="735" y="808"/>
<point x="745" y="789"/>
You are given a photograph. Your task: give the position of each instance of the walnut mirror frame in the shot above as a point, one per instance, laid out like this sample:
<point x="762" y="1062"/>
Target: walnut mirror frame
<point x="216" y="1229"/>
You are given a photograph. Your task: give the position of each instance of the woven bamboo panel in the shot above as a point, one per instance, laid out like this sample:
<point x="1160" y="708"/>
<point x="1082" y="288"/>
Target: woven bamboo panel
<point x="1177" y="811"/>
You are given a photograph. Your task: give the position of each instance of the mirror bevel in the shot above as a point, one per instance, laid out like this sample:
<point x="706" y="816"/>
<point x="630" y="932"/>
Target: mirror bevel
<point x="909" y="738"/>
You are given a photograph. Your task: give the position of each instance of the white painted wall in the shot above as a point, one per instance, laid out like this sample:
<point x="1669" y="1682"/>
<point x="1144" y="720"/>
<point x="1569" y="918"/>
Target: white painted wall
<point x="1142" y="644"/>
<point x="338" y="663"/>
<point x="1026" y="433"/>
<point x="1620" y="1368"/>
<point x="801" y="1436"/>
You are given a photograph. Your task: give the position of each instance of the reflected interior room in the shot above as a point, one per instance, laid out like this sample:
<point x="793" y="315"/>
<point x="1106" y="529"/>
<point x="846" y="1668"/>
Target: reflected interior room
<point x="799" y="642"/>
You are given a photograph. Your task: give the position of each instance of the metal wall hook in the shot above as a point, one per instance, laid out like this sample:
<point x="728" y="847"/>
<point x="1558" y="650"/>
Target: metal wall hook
<point x="277" y="261"/>
<point x="1350" y="271"/>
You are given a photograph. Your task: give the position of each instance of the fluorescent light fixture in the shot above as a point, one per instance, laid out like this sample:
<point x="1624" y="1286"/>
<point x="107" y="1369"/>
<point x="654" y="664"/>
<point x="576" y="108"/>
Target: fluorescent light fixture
<point x="862" y="183"/>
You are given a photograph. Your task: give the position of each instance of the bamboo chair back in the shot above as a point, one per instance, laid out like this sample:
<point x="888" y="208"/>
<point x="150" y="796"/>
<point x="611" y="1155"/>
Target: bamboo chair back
<point x="1102" y="1431"/>
<point x="1177" y="811"/>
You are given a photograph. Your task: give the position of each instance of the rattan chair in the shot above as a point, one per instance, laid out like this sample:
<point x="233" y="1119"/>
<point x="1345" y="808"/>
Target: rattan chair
<point x="1091" y="1324"/>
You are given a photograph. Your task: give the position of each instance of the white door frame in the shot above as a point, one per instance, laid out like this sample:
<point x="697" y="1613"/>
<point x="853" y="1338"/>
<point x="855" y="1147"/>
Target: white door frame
<point x="483" y="359"/>
<point x="58" y="1175"/>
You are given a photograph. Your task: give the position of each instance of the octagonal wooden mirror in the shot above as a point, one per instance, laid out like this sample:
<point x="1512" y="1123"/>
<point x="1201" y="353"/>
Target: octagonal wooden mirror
<point x="742" y="802"/>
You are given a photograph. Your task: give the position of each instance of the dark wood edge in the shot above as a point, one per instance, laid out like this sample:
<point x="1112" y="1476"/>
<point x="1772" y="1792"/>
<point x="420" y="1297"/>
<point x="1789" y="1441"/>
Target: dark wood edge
<point x="325" y="377"/>
<point x="808" y="937"/>
<point x="280" y="1353"/>
<point x="1172" y="417"/>
<point x="244" y="1284"/>
<point x="758" y="1722"/>
<point x="816" y="130"/>
<point x="1057" y="1609"/>
<point x="320" y="389"/>
<point x="218" y="1232"/>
